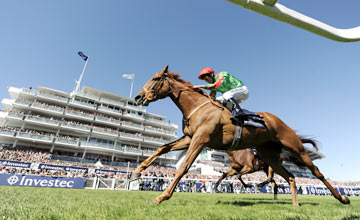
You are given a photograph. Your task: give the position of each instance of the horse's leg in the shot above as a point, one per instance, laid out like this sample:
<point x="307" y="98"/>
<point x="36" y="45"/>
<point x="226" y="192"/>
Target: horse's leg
<point x="179" y="144"/>
<point x="274" y="186"/>
<point x="243" y="171"/>
<point x="271" y="156"/>
<point x="230" y="172"/>
<point x="269" y="173"/>
<point x="196" y="145"/>
<point x="291" y="142"/>
<point x="270" y="178"/>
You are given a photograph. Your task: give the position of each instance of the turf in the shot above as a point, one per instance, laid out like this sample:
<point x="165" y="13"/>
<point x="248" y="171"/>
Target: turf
<point x="45" y="203"/>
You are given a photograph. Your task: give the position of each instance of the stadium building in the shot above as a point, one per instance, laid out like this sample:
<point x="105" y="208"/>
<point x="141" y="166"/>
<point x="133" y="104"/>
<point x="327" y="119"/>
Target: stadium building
<point x="84" y="126"/>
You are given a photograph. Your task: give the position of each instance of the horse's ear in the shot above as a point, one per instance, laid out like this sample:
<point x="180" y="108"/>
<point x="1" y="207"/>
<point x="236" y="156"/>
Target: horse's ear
<point x="164" y="70"/>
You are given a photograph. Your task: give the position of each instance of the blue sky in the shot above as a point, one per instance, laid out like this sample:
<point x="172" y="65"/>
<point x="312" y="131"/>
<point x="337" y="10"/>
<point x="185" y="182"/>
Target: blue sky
<point x="310" y="82"/>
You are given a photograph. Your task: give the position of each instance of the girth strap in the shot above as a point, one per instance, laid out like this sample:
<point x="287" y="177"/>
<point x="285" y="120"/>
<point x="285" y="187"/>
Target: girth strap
<point x="197" y="108"/>
<point x="186" y="120"/>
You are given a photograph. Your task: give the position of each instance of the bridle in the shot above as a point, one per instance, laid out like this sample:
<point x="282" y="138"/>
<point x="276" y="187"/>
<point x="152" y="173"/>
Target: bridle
<point x="157" y="83"/>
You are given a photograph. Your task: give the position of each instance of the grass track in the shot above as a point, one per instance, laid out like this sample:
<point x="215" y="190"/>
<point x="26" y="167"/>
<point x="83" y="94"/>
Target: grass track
<point x="45" y="203"/>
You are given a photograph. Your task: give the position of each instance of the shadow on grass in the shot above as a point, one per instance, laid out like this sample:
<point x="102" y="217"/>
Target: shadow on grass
<point x="351" y="217"/>
<point x="255" y="201"/>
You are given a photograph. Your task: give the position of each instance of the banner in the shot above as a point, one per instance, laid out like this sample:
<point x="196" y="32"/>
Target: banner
<point x="102" y="171"/>
<point x="43" y="166"/>
<point x="9" y="163"/>
<point x="41" y="181"/>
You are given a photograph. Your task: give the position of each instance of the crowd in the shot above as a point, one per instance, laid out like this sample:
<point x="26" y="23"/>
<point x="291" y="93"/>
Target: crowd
<point x="24" y="155"/>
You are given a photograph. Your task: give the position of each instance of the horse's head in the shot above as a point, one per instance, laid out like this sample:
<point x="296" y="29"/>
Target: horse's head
<point x="157" y="87"/>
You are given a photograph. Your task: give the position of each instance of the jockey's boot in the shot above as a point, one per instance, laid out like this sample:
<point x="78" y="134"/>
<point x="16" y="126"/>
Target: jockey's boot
<point x="237" y="113"/>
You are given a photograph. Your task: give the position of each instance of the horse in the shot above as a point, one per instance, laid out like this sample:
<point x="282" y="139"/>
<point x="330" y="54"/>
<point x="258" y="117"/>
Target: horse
<point x="245" y="162"/>
<point x="207" y="124"/>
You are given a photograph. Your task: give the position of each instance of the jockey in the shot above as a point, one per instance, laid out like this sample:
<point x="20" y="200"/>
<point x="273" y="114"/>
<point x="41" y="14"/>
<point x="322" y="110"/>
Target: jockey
<point x="232" y="89"/>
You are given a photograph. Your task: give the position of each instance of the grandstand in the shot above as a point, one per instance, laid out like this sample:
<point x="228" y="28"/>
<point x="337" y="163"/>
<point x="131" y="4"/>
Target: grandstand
<point x="84" y="126"/>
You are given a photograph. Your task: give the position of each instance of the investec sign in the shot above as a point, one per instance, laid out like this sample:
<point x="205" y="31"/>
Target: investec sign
<point x="41" y="181"/>
<point x="9" y="163"/>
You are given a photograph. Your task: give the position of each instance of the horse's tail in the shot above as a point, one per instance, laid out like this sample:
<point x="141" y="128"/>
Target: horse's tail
<point x="306" y="140"/>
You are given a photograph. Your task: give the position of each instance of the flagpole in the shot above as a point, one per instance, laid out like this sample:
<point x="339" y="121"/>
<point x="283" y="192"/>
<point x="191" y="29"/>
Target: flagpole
<point x="132" y="83"/>
<point x="77" y="88"/>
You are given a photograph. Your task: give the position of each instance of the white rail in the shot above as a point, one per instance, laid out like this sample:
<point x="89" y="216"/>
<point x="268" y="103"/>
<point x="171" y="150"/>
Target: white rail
<point x="279" y="12"/>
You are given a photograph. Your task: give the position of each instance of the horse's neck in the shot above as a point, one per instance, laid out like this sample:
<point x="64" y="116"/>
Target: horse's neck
<point x="187" y="100"/>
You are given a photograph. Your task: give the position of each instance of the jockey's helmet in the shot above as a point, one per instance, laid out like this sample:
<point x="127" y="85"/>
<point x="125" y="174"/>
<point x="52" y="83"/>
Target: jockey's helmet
<point x="205" y="71"/>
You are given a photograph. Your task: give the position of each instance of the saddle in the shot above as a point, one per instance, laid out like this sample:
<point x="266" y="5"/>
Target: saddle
<point x="247" y="118"/>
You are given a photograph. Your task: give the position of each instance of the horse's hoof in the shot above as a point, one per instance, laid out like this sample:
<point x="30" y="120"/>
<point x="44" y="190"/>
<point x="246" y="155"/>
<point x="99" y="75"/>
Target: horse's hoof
<point x="153" y="203"/>
<point x="135" y="176"/>
<point x="345" y="200"/>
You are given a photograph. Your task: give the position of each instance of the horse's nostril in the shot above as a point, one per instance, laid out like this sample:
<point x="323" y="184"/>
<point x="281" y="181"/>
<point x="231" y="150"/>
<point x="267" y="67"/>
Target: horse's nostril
<point x="137" y="97"/>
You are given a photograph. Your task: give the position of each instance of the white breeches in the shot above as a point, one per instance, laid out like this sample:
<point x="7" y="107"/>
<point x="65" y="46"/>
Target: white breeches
<point x="239" y="94"/>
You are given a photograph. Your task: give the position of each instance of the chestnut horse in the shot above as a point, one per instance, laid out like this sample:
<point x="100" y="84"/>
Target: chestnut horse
<point x="245" y="162"/>
<point x="206" y="124"/>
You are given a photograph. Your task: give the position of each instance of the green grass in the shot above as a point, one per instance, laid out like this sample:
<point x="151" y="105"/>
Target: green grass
<point x="45" y="203"/>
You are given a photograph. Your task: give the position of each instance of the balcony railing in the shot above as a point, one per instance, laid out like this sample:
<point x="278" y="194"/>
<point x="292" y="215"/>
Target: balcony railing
<point x="136" y="108"/>
<point x="75" y="126"/>
<point x="134" y="116"/>
<point x="22" y="102"/>
<point x="60" y="140"/>
<point x="96" y="144"/>
<point x="89" y="105"/>
<point x="154" y="140"/>
<point x="106" y="119"/>
<point x="7" y="132"/>
<point x="119" y="148"/>
<point x="131" y="136"/>
<point x="155" y="120"/>
<point x="168" y="156"/>
<point x="104" y="108"/>
<point x="79" y="114"/>
<point x="154" y="130"/>
<point x="112" y="102"/>
<point x="133" y="150"/>
<point x="29" y="91"/>
<point x="43" y="120"/>
<point x="54" y="97"/>
<point x="16" y="115"/>
<point x="35" y="136"/>
<point x="170" y="133"/>
<point x="105" y="131"/>
<point x="148" y="152"/>
<point x="47" y="107"/>
<point x="135" y="126"/>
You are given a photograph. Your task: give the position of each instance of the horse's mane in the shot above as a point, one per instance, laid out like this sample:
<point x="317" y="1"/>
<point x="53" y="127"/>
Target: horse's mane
<point x="176" y="76"/>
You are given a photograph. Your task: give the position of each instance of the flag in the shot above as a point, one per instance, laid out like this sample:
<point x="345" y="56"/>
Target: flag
<point x="128" y="76"/>
<point x="83" y="55"/>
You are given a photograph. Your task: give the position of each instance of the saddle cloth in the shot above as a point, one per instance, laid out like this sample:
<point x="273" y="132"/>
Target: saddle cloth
<point x="248" y="119"/>
<point x="253" y="119"/>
